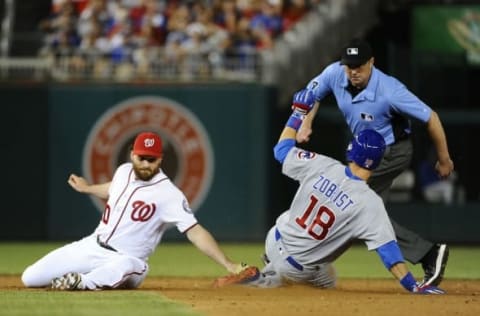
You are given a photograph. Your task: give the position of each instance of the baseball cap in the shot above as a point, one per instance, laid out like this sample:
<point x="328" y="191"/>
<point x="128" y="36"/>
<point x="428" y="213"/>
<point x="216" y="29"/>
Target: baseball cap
<point x="148" y="144"/>
<point x="356" y="53"/>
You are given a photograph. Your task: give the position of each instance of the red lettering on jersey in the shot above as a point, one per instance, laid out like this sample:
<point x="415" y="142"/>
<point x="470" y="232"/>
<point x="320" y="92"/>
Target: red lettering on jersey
<point x="106" y="214"/>
<point x="323" y="220"/>
<point x="142" y="211"/>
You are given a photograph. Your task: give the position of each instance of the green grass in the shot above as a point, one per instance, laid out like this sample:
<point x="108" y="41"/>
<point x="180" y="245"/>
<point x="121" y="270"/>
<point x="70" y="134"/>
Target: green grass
<point x="180" y="259"/>
<point x="118" y="303"/>
<point x="463" y="263"/>
<point x="170" y="259"/>
<point x="183" y="259"/>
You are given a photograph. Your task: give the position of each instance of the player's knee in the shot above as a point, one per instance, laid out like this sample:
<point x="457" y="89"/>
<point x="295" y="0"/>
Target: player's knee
<point x="132" y="264"/>
<point x="32" y="277"/>
<point x="27" y="277"/>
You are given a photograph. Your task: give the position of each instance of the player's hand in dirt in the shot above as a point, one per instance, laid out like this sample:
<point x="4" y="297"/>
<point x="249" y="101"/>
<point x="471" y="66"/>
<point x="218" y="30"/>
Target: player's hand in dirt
<point x="244" y="275"/>
<point x="238" y="267"/>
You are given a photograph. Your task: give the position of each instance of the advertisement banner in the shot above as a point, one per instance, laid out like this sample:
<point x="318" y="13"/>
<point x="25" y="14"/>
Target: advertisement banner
<point x="215" y="150"/>
<point x="447" y="29"/>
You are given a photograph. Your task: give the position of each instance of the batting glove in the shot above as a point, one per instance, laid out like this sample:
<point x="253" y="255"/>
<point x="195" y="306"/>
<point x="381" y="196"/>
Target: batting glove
<point x="303" y="101"/>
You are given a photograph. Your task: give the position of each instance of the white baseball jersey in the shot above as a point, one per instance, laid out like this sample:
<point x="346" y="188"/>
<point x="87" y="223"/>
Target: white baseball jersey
<point x="135" y="218"/>
<point x="138" y="212"/>
<point x="331" y="208"/>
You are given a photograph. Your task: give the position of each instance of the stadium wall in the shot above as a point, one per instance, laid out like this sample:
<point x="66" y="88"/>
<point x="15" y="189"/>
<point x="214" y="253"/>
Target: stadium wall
<point x="50" y="131"/>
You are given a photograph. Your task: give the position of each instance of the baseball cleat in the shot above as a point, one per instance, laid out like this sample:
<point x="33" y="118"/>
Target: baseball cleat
<point x="434" y="265"/>
<point x="69" y="282"/>
<point x="248" y="275"/>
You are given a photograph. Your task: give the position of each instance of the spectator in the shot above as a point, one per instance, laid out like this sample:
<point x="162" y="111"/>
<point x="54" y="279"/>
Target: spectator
<point x="294" y="10"/>
<point x="267" y="24"/>
<point x="60" y="29"/>
<point x="226" y="15"/>
<point x="148" y="32"/>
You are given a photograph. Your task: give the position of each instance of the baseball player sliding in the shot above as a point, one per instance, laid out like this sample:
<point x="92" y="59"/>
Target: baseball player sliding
<point x="332" y="207"/>
<point x="142" y="204"/>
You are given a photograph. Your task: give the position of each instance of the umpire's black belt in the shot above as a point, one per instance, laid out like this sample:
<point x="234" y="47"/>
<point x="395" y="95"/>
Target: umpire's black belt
<point x="104" y="244"/>
<point x="289" y="259"/>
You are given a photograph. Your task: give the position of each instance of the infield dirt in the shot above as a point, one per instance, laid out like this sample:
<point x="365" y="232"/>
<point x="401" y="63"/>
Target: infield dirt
<point x="373" y="297"/>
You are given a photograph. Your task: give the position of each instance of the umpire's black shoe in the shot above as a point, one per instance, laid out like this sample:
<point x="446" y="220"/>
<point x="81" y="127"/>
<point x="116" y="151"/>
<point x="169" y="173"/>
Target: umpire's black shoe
<point x="434" y="264"/>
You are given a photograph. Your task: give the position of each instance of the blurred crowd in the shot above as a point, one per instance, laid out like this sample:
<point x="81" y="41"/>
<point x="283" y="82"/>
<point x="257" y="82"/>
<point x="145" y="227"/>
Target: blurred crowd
<point x="167" y="38"/>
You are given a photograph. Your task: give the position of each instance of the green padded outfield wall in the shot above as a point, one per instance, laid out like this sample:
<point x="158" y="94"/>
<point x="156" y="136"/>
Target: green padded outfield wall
<point x="215" y="150"/>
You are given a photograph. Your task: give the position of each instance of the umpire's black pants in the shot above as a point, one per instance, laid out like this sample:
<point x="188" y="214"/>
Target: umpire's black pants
<point x="397" y="158"/>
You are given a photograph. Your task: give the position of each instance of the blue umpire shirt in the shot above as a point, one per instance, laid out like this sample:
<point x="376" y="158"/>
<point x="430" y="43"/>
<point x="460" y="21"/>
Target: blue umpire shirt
<point x="377" y="107"/>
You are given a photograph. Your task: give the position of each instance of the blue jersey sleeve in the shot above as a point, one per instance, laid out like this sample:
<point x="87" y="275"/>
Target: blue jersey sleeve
<point x="407" y="103"/>
<point x="282" y="148"/>
<point x="390" y="254"/>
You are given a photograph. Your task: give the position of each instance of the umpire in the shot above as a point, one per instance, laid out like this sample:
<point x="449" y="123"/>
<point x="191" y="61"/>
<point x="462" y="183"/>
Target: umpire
<point x="370" y="99"/>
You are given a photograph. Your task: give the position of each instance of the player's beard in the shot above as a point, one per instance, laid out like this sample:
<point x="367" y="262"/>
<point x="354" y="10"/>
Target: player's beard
<point x="145" y="174"/>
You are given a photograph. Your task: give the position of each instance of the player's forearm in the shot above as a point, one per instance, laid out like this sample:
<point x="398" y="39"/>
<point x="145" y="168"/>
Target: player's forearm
<point x="99" y="190"/>
<point x="286" y="142"/>
<point x="297" y="120"/>
<point x="393" y="260"/>
<point x="401" y="273"/>
<point x="205" y="242"/>
<point x="81" y="185"/>
<point x="287" y="133"/>
<point x="399" y="270"/>
<point x="303" y="101"/>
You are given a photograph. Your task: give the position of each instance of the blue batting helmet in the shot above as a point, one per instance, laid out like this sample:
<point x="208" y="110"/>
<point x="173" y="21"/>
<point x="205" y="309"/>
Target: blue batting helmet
<point x="366" y="149"/>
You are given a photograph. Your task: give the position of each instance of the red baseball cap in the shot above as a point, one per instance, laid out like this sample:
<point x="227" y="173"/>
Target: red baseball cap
<point x="148" y="144"/>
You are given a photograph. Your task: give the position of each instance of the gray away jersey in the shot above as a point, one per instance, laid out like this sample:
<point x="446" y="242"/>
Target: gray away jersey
<point x="329" y="210"/>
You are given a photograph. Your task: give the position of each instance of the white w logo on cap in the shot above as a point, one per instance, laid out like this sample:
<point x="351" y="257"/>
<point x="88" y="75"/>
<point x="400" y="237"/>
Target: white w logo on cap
<point x="149" y="142"/>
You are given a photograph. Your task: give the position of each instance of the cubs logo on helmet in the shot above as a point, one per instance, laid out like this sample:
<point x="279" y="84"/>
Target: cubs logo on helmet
<point x="366" y="149"/>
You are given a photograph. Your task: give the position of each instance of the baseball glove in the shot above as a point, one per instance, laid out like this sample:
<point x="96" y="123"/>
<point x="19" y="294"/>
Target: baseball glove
<point x="247" y="274"/>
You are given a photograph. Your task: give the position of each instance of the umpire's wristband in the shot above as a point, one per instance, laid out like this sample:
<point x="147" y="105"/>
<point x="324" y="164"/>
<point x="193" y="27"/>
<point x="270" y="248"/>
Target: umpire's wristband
<point x="295" y="120"/>
<point x="408" y="282"/>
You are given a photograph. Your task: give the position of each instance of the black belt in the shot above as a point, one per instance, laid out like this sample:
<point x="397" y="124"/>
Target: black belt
<point x="105" y="245"/>
<point x="289" y="259"/>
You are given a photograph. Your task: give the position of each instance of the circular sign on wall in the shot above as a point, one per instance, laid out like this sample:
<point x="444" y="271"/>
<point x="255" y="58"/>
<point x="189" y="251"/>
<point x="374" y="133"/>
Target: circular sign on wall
<point x="188" y="156"/>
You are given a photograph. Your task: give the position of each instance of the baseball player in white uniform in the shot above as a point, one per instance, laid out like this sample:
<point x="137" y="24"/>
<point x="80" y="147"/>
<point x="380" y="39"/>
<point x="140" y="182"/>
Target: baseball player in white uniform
<point x="142" y="204"/>
<point x="332" y="207"/>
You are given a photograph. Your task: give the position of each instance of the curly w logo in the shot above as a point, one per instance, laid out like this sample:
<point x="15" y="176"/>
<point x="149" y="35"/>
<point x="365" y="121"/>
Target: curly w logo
<point x="142" y="211"/>
<point x="149" y="142"/>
